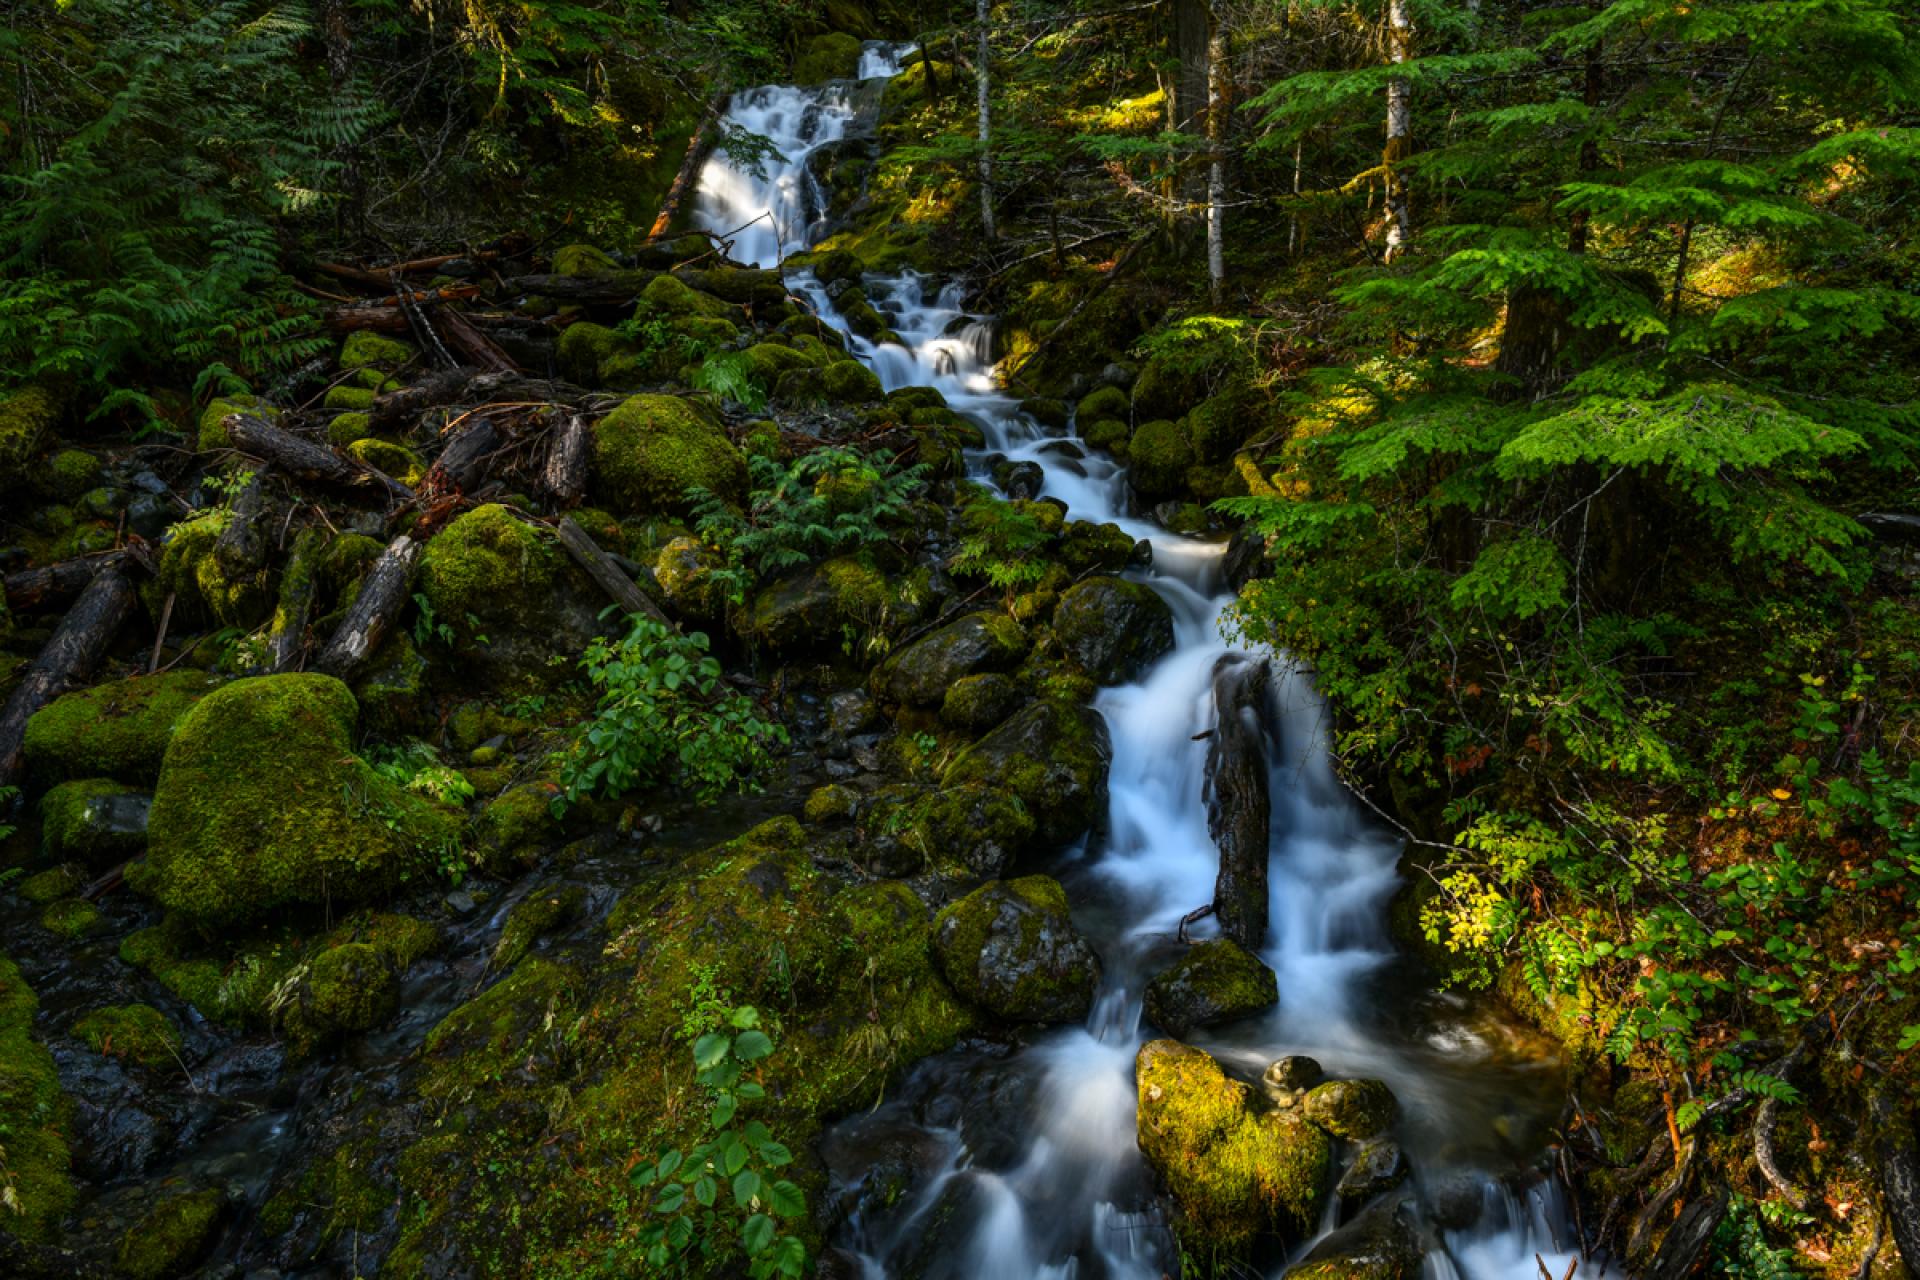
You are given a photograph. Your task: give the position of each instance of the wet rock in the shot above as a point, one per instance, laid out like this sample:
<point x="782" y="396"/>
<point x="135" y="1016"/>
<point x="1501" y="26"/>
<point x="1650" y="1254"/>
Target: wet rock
<point x="1246" y="558"/>
<point x="1379" y="1165"/>
<point x="350" y="988"/>
<point x="1286" y="1080"/>
<point x="1214" y="982"/>
<point x="851" y="712"/>
<point x="804" y="612"/>
<point x="1352" y="1109"/>
<point x="1052" y="758"/>
<point x="685" y="569"/>
<point x="172" y="1238"/>
<point x="979" y="702"/>
<point x="1010" y="947"/>
<point x="1383" y="1243"/>
<point x="921" y="674"/>
<point x="1237" y="1172"/>
<point x="1239" y="810"/>
<point x="1086" y="546"/>
<point x="95" y="821"/>
<point x="1158" y="457"/>
<point x="532" y="918"/>
<point x="968" y="831"/>
<point x="137" y="1033"/>
<point x="116" y="729"/>
<point x="1113" y="628"/>
<point x="1020" y="480"/>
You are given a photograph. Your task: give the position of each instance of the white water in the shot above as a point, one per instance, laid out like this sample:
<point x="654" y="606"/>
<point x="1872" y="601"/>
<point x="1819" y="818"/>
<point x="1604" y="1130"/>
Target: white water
<point x="1075" y="1203"/>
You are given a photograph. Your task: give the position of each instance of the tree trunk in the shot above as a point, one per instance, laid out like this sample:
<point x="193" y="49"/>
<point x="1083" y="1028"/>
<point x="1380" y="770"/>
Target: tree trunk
<point x="587" y="554"/>
<point x="77" y="646"/>
<point x="568" y="461"/>
<point x="689" y="169"/>
<point x="302" y="459"/>
<point x="1399" y="131"/>
<point x="1899" y="1172"/>
<point x="1217" y="114"/>
<point x="1239" y="809"/>
<point x="1590" y="149"/>
<point x="980" y="77"/>
<point x="1193" y="23"/>
<point x="383" y="598"/>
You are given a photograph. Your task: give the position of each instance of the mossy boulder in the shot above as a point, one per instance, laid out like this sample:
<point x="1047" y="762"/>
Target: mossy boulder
<point x="346" y="989"/>
<point x="833" y="56"/>
<point x="262" y="805"/>
<point x="347" y="398"/>
<point x="1086" y="546"/>
<point x="805" y="611"/>
<point x="1218" y="425"/>
<point x="213" y="419"/>
<point x="1168" y="387"/>
<point x="390" y="458"/>
<point x="137" y="1032"/>
<point x="1052" y="757"/>
<point x="66" y="475"/>
<point x="844" y="382"/>
<point x="365" y="349"/>
<point x="1352" y="1109"/>
<point x="172" y="1238"/>
<point x="582" y="260"/>
<point x="1237" y="1174"/>
<point x="95" y="821"/>
<point x="516" y="825"/>
<point x="653" y="449"/>
<point x="965" y="833"/>
<point x="392" y="690"/>
<point x="72" y="918"/>
<point x="117" y="729"/>
<point x="979" y="702"/>
<point x="1158" y="458"/>
<point x="204" y="588"/>
<point x="35" y="1116"/>
<point x="685" y="570"/>
<point x="1381" y="1242"/>
<point x="742" y="286"/>
<point x="26" y="420"/>
<point x="1214" y="982"/>
<point x="1106" y="402"/>
<point x="539" y="913"/>
<point x="669" y="295"/>
<point x="1109" y="435"/>
<point x="52" y="884"/>
<point x="1011" y="948"/>
<point x="922" y="674"/>
<point x="583" y="348"/>
<point x="1113" y="628"/>
<point x="348" y="428"/>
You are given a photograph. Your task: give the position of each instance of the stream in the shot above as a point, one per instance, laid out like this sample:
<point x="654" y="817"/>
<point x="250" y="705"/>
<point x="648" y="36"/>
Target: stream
<point x="1010" y="1163"/>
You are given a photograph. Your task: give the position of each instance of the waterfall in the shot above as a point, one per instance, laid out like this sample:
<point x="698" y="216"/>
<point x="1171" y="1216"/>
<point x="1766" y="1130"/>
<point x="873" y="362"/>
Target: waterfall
<point x="1071" y="1197"/>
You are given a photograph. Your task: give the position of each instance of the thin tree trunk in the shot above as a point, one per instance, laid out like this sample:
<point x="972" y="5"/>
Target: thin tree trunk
<point x="1217" y="114"/>
<point x="1193" y="23"/>
<point x="1294" y="241"/>
<point x="986" y="155"/>
<point x="683" y="181"/>
<point x="1590" y="149"/>
<point x="1399" y="130"/>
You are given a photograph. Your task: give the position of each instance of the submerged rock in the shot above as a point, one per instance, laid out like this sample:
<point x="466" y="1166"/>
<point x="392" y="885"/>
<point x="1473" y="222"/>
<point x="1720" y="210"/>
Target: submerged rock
<point x="1352" y="1109"/>
<point x="1237" y="1173"/>
<point x="1010" y="947"/>
<point x="1113" y="628"/>
<point x="1052" y="757"/>
<point x="1214" y="982"/>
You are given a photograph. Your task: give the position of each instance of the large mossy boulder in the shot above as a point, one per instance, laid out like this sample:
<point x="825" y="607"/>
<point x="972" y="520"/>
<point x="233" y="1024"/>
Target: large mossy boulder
<point x="652" y="450"/>
<point x="1158" y="458"/>
<point x="921" y="674"/>
<point x="805" y="612"/>
<point x="1052" y="757"/>
<point x="1011" y="948"/>
<point x="1113" y="628"/>
<point x="1352" y="1109"/>
<point x="833" y="56"/>
<point x="1169" y="386"/>
<point x="1214" y="982"/>
<point x="170" y="1240"/>
<point x="1237" y="1173"/>
<point x="118" y="729"/>
<point x="263" y="805"/>
<point x="26" y="420"/>
<point x="1219" y="424"/>
<point x="843" y="382"/>
<point x="35" y="1117"/>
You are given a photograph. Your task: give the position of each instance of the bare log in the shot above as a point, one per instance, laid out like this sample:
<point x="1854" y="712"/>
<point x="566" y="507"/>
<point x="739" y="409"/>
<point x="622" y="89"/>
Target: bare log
<point x="587" y="554"/>
<point x="446" y="387"/>
<point x="611" y="289"/>
<point x="241" y="547"/>
<point x="464" y="463"/>
<point x="476" y="346"/>
<point x="565" y="475"/>
<point x="383" y="597"/>
<point x="1687" y="1239"/>
<point x="77" y="646"/>
<point x="1239" y="809"/>
<point x="689" y="167"/>
<point x="387" y="315"/>
<point x="31" y="590"/>
<point x="304" y="460"/>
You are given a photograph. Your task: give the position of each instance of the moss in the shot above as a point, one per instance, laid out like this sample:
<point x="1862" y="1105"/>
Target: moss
<point x="345" y="989"/>
<point x="1218" y="424"/>
<point x="172" y="1238"/>
<point x="668" y="295"/>
<point x="395" y="460"/>
<point x="841" y="383"/>
<point x="72" y="918"/>
<point x="582" y="260"/>
<point x="137" y="1032"/>
<point x="1213" y="982"/>
<point x="1159" y="456"/>
<point x="26" y="418"/>
<point x="349" y="428"/>
<point x="364" y="349"/>
<point x="832" y="803"/>
<point x="203" y="587"/>
<point x="685" y="568"/>
<point x="1010" y="947"/>
<point x="1107" y="402"/>
<point x="1086" y="546"/>
<point x="1236" y="1174"/>
<point x="346" y="560"/>
<point x="35" y="1117"/>
<point x="1053" y="757"/>
<point x="1352" y="1109"/>
<point x="1169" y="386"/>
<point x="766" y="361"/>
<point x="340" y="1188"/>
<point x="348" y="398"/>
<point x="66" y="475"/>
<point x="262" y="804"/>
<point x="922" y="674"/>
<point x="91" y="820"/>
<point x="532" y="918"/>
<point x="393" y="689"/>
<point x="978" y="702"/>
<point x="52" y="884"/>
<point x="583" y="348"/>
<point x="213" y="430"/>
<point x="834" y="56"/>
<point x="516" y="823"/>
<point x="807" y="610"/>
<point x="652" y="449"/>
<point x="487" y="570"/>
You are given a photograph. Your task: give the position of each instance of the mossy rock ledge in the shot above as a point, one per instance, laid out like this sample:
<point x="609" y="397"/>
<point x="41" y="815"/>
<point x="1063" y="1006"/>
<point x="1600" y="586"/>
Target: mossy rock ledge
<point x="922" y="674"/>
<point x="1113" y="628"/>
<point x="1053" y="757"/>
<point x="262" y="805"/>
<point x="1214" y="982"/>
<point x="1011" y="948"/>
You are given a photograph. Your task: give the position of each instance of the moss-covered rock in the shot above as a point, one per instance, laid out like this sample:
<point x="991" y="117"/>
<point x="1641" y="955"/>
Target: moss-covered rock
<point x="389" y="458"/>
<point x="35" y="1117"/>
<point x="1086" y="547"/>
<point x="1053" y="758"/>
<point x="921" y="674"/>
<point x="52" y="884"/>
<point x="1109" y="435"/>
<point x="582" y="260"/>
<point x="805" y="611"/>
<point x="1214" y="982"/>
<point x="979" y="702"/>
<point x="349" y="428"/>
<point x="833" y="56"/>
<point x="72" y="918"/>
<point x="1352" y="1109"/>
<point x="117" y="729"/>
<point x="392" y="690"/>
<point x="1169" y="386"/>
<point x="170" y="1240"/>
<point x="1382" y="1242"/>
<point x="516" y="825"/>
<point x="1237" y="1174"/>
<point x="1113" y="628"/>
<point x="965" y="833"/>
<point x="685" y="569"/>
<point x="262" y="805"/>
<point x="213" y="419"/>
<point x="137" y="1032"/>
<point x="1218" y="425"/>
<point x="26" y="420"/>
<point x="532" y="918"/>
<point x="668" y="295"/>
<point x="653" y="449"/>
<point x="365" y="349"/>
<point x="345" y="989"/>
<point x="204" y="588"/>
<point x="833" y="802"/>
<point x="345" y="398"/>
<point x="95" y="821"/>
<point x="583" y="348"/>
<point x="1106" y="402"/>
<point x="66" y="475"/>
<point x="1158" y="458"/>
<point x="1011" y="948"/>
<point x="844" y="382"/>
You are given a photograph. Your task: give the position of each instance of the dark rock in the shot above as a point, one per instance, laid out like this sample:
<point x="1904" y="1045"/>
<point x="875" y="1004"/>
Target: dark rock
<point x="1053" y="758"/>
<point x="1113" y="628"/>
<point x="1246" y="558"/>
<point x="1011" y="948"/>
<point x="1382" y="1243"/>
<point x="1352" y="1109"/>
<point x="979" y="702"/>
<point x="1214" y="982"/>
<point x="1379" y="1165"/>
<point x="921" y="674"/>
<point x="1239" y="810"/>
<point x="1020" y="480"/>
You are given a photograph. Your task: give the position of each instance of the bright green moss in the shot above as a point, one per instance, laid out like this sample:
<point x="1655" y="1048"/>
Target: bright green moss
<point x="487" y="565"/>
<point x="119" y="729"/>
<point x="52" y="884"/>
<point x="766" y="361"/>
<point x="1159" y="456"/>
<point x="66" y="475"/>
<point x="532" y="918"/>
<point x="348" y="988"/>
<point x="262" y="804"/>
<point x="1107" y="402"/>
<point x="1211" y="983"/>
<point x="831" y="803"/>
<point x="203" y="587"/>
<point x="346" y="397"/>
<point x="583" y="348"/>
<point x="26" y="417"/>
<point x="834" y="56"/>
<point x="1052" y="756"/>
<point x="388" y="458"/>
<point x="34" y="1117"/>
<point x="71" y="918"/>
<point x="978" y="702"/>
<point x="340" y="1187"/>
<point x="842" y="382"/>
<point x="364" y="349"/>
<point x="516" y="825"/>
<point x="137" y="1032"/>
<point x="582" y="260"/>
<point x="654" y="448"/>
<point x="393" y="689"/>
<point x="213" y="429"/>
<point x="1110" y="435"/>
<point x="168" y="1242"/>
<point x="668" y="295"/>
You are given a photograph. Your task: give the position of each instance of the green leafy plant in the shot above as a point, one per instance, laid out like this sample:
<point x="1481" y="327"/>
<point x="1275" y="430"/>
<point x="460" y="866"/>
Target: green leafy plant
<point x="664" y="716"/>
<point x="724" y="1193"/>
<point x="416" y="766"/>
<point x="731" y="377"/>
<point x="1001" y="544"/>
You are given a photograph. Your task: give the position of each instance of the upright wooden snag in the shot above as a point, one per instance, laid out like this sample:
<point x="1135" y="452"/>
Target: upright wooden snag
<point x="1399" y="130"/>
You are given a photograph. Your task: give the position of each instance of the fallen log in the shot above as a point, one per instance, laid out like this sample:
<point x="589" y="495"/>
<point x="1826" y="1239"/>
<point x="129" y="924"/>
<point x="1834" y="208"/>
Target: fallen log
<point x="31" y="590"/>
<point x="241" y="549"/>
<point x="449" y="386"/>
<point x="464" y="463"/>
<point x="287" y="639"/>
<point x="476" y="346"/>
<point x="689" y="167"/>
<point x="600" y="567"/>
<point x="613" y="289"/>
<point x="384" y="596"/>
<point x="568" y="460"/>
<point x="382" y="277"/>
<point x="304" y="460"/>
<point x="388" y="315"/>
<point x="77" y="646"/>
<point x="1239" y="809"/>
<point x="1893" y="1144"/>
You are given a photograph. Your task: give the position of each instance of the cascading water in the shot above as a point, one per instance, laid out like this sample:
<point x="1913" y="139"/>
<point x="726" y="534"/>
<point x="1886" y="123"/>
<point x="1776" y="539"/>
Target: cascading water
<point x="1024" y="1166"/>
